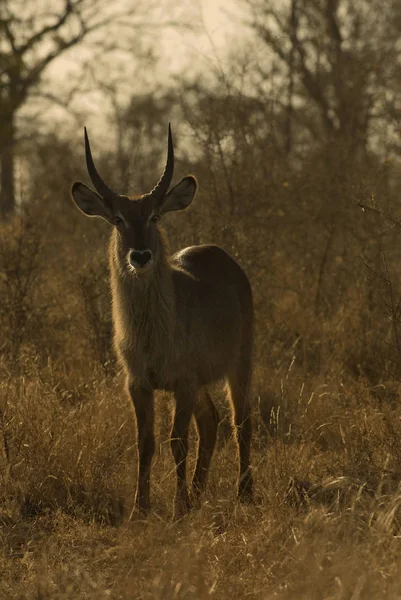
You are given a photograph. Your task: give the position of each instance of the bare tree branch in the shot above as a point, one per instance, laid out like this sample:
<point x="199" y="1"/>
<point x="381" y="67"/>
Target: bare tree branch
<point x="5" y="25"/>
<point x="34" y="39"/>
<point x="39" y="35"/>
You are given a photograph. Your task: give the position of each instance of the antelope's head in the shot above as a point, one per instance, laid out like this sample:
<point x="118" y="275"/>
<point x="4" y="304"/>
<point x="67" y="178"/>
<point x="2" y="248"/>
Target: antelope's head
<point x="135" y="220"/>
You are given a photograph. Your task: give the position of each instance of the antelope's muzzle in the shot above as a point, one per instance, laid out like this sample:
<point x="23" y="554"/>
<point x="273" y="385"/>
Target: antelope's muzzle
<point x="139" y="259"/>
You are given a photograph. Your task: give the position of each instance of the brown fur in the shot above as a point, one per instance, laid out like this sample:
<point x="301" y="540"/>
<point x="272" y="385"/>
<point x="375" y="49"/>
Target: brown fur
<point x="143" y="315"/>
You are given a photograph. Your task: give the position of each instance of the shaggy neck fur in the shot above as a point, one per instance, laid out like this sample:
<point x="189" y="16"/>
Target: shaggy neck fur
<point x="143" y="311"/>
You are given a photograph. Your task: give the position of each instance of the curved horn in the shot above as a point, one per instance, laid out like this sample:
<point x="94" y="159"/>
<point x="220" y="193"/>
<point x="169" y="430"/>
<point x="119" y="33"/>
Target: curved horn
<point x="97" y="181"/>
<point x="161" y="188"/>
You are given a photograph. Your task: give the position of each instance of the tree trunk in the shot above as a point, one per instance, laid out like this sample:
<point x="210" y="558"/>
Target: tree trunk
<point x="291" y="76"/>
<point x="7" y="191"/>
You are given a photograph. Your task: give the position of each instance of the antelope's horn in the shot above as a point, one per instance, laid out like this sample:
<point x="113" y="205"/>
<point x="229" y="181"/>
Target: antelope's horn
<point x="161" y="188"/>
<point x="97" y="181"/>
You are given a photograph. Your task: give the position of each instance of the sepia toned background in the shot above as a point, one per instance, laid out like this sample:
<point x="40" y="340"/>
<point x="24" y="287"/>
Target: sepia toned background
<point x="289" y="115"/>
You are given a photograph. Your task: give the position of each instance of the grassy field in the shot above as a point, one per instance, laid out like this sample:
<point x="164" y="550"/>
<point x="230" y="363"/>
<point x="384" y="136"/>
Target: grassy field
<point x="68" y="475"/>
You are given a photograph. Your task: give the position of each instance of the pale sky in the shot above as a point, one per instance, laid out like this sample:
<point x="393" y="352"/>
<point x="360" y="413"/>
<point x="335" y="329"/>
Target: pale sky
<point x="218" y="24"/>
<point x="220" y="19"/>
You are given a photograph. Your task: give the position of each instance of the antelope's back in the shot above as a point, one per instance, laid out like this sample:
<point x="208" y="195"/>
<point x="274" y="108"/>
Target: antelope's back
<point x="214" y="307"/>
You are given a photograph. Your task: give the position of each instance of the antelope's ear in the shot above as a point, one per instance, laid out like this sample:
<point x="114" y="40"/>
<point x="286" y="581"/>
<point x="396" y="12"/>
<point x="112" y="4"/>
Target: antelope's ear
<point x="180" y="196"/>
<point x="90" y="203"/>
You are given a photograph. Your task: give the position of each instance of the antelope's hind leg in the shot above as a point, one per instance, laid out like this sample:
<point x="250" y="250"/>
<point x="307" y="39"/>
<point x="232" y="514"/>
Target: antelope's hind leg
<point x="238" y="383"/>
<point x="207" y="420"/>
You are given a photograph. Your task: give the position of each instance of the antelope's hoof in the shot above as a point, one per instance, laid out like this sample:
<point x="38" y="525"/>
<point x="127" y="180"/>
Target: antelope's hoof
<point x="181" y="508"/>
<point x="139" y="512"/>
<point x="246" y="496"/>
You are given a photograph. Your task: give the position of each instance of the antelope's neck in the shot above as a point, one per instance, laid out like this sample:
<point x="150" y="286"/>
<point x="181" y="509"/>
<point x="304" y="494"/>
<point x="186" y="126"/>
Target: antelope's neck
<point x="143" y="308"/>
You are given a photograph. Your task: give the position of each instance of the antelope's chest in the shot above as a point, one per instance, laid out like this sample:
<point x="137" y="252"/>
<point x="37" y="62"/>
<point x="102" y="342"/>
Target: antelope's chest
<point x="150" y="365"/>
<point x="158" y="380"/>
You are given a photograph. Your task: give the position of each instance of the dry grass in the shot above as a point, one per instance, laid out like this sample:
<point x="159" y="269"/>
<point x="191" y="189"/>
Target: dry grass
<point x="67" y="483"/>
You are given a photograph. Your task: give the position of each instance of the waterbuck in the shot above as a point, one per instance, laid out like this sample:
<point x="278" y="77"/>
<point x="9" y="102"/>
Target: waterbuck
<point x="181" y="322"/>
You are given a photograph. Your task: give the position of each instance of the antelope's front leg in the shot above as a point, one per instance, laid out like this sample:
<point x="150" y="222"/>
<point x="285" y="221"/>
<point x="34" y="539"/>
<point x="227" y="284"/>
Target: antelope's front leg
<point x="142" y="399"/>
<point x="185" y="395"/>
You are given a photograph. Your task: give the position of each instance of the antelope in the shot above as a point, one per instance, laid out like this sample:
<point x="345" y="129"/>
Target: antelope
<point x="180" y="322"/>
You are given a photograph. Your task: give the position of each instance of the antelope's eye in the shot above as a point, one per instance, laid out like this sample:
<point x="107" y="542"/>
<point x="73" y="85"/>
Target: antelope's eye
<point x="154" y="218"/>
<point x="117" y="220"/>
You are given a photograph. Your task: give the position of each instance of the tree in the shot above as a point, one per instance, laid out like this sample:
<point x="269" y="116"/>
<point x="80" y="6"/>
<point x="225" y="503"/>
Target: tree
<point x="343" y="61"/>
<point x="33" y="35"/>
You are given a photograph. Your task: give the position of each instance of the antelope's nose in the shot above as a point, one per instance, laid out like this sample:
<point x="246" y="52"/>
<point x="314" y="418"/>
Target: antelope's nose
<point x="140" y="258"/>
